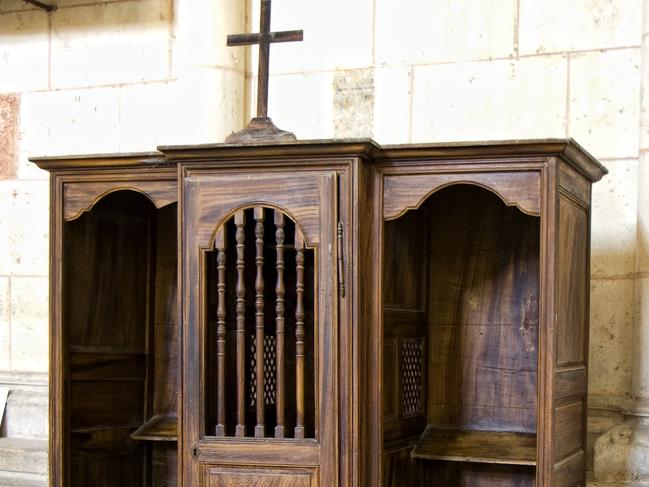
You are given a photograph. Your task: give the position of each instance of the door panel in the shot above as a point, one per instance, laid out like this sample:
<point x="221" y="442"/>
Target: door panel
<point x="259" y="252"/>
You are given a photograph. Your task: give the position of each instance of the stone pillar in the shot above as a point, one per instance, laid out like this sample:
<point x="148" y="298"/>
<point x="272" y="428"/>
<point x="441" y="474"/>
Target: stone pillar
<point x="211" y="76"/>
<point x="641" y="355"/>
<point x="640" y="384"/>
<point x="622" y="453"/>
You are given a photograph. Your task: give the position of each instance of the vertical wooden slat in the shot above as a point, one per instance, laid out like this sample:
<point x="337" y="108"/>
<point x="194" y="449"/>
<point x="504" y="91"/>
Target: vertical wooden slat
<point x="279" y="323"/>
<point x="341" y="262"/>
<point x="239" y="222"/>
<point x="299" y="336"/>
<point x="220" y="333"/>
<point x="259" y="319"/>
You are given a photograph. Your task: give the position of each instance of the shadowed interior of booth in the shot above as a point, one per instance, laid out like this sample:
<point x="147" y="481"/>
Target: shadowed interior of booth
<point x="460" y="342"/>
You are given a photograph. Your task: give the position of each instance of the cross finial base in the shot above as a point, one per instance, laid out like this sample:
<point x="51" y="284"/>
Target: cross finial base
<point x="259" y="130"/>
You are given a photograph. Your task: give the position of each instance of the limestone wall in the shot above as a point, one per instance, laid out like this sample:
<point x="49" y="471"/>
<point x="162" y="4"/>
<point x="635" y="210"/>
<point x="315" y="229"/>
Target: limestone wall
<point x="126" y="75"/>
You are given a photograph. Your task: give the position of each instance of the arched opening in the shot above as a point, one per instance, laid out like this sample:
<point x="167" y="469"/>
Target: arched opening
<point x="260" y="289"/>
<point x="460" y="321"/>
<point x="120" y="316"/>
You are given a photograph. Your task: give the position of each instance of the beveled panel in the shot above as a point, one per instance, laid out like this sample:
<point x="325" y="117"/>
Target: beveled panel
<point x="390" y="370"/>
<point x="571" y="382"/>
<point x="568" y="431"/>
<point x="259" y="477"/>
<point x="572" y="275"/>
<point x="574" y="183"/>
<point x="571" y="471"/>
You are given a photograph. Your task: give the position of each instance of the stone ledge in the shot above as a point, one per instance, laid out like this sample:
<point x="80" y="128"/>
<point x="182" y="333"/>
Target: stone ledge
<point x="16" y="479"/>
<point x="23" y="380"/>
<point x="23" y="456"/>
<point x="26" y="414"/>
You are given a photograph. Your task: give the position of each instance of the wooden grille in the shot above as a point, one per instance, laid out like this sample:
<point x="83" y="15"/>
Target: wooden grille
<point x="260" y="290"/>
<point x="270" y="370"/>
<point x="412" y="376"/>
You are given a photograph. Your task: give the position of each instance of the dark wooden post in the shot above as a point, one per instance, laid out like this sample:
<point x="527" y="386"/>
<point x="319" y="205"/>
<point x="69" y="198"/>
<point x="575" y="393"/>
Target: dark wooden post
<point x="299" y="336"/>
<point x="239" y="222"/>
<point x="259" y="319"/>
<point x="220" y="334"/>
<point x="279" y="323"/>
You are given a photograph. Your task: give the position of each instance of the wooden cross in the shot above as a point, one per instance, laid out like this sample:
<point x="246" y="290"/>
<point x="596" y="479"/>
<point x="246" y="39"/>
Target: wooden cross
<point x="261" y="127"/>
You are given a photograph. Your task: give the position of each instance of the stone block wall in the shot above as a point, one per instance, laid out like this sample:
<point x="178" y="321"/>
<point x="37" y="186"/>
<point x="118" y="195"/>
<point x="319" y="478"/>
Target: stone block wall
<point x="96" y="76"/>
<point x="126" y="75"/>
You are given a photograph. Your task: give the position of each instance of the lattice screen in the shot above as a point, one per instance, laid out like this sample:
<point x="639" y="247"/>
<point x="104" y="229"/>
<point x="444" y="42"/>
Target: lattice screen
<point x="411" y="369"/>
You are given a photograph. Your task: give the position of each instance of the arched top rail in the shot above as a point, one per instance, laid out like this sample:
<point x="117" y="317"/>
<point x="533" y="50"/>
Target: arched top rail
<point x="402" y="193"/>
<point x="83" y="196"/>
<point x="216" y="240"/>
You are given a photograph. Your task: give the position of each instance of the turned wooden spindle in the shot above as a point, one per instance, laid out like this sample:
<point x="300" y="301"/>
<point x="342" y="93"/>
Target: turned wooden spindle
<point x="220" y="334"/>
<point x="279" y="322"/>
<point x="239" y="222"/>
<point x="299" y="336"/>
<point x="259" y="319"/>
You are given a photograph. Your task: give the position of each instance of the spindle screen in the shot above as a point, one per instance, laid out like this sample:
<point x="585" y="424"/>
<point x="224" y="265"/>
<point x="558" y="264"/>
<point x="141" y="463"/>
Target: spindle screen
<point x="260" y="328"/>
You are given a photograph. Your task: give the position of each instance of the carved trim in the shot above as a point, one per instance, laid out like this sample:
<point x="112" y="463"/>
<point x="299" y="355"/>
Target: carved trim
<point x="619" y="404"/>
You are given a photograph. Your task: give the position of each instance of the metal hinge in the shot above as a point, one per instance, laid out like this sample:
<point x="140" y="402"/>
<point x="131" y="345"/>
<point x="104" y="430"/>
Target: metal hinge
<point x="341" y="262"/>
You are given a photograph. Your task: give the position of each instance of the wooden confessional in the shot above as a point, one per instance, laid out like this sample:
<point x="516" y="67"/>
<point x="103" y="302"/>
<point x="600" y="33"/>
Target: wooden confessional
<point x="321" y="313"/>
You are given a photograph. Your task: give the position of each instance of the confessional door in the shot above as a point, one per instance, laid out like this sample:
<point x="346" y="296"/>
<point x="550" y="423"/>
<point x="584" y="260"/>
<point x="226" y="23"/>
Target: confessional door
<point x="260" y="291"/>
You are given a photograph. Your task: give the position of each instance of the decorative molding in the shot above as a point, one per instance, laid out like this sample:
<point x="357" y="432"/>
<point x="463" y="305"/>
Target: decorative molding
<point x="620" y="404"/>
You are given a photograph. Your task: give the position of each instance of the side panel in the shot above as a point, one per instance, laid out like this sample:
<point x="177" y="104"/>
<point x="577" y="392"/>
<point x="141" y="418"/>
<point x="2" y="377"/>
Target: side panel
<point x="58" y="444"/>
<point x="570" y="361"/>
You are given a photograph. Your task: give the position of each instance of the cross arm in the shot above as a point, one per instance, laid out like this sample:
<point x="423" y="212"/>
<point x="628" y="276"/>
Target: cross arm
<point x="271" y="37"/>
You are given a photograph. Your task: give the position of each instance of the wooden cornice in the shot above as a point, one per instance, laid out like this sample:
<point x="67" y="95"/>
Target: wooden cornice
<point x="106" y="161"/>
<point x="364" y="148"/>
<point x="367" y="149"/>
<point x="566" y="149"/>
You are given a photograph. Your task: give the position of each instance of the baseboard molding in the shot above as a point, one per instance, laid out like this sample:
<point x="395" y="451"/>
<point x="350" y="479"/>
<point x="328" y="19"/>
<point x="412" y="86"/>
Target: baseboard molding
<point x="619" y="404"/>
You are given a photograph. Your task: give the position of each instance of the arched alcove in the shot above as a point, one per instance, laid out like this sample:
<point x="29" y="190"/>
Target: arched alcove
<point x="460" y="291"/>
<point x="120" y="315"/>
